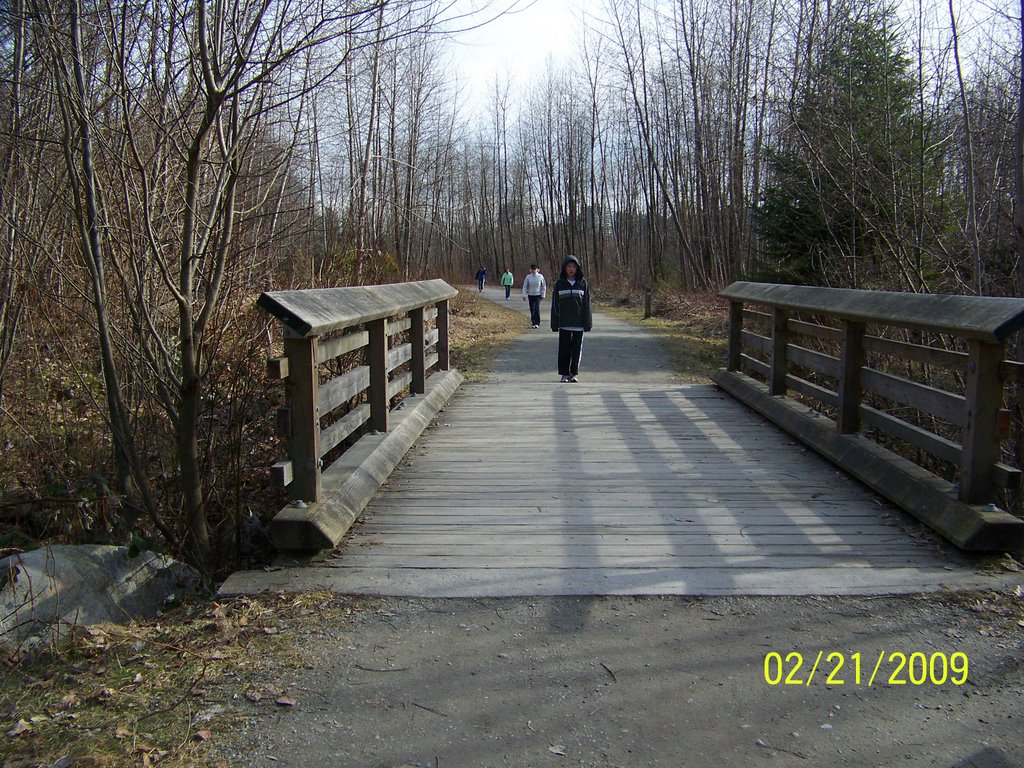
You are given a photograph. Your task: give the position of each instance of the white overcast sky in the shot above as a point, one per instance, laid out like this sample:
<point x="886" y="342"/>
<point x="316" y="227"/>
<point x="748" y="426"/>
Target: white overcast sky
<point x="519" y="42"/>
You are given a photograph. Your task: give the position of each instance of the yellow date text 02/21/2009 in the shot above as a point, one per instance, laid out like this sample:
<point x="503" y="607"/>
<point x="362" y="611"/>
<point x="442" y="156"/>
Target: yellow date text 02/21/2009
<point x="887" y="668"/>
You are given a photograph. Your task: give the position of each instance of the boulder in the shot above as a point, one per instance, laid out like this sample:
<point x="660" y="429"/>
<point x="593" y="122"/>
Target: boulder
<point x="45" y="592"/>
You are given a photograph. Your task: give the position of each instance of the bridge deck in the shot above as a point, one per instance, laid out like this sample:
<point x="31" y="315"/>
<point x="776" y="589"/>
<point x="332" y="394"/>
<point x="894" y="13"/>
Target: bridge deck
<point x="625" y="483"/>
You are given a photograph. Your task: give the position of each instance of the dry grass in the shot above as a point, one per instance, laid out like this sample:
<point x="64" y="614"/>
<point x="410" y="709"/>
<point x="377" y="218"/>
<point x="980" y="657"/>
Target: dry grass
<point x="160" y="693"/>
<point x="693" y="326"/>
<point x="479" y="330"/>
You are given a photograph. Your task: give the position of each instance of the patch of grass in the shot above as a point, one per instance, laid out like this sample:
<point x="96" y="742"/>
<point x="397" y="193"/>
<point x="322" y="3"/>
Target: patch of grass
<point x="160" y="692"/>
<point x="479" y="330"/>
<point x="693" y="327"/>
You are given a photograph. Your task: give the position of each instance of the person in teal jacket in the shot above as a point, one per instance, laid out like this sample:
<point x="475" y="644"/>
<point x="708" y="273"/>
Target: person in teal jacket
<point x="507" y="280"/>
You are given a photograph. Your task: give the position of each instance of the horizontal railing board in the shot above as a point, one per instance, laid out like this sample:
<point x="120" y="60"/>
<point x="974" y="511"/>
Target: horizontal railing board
<point x="815" y="330"/>
<point x="987" y="318"/>
<point x="921" y="438"/>
<point x="816" y="361"/>
<point x="431" y="360"/>
<point x="919" y="353"/>
<point x="332" y="436"/>
<point x="317" y="311"/>
<point x="430" y="338"/>
<point x="399" y="383"/>
<point x="343" y="388"/>
<point x="812" y="390"/>
<point x="1002" y="475"/>
<point x="759" y="317"/>
<point x="755" y="365"/>
<point x="399" y="326"/>
<point x="399" y="355"/>
<point x="938" y="402"/>
<point x="331" y="348"/>
<point x="757" y="341"/>
<point x="1013" y="371"/>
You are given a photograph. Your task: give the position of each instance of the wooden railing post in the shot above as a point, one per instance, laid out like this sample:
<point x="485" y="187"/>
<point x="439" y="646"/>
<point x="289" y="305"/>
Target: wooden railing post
<point x="377" y="360"/>
<point x="301" y="389"/>
<point x="981" y="428"/>
<point x="735" y="335"/>
<point x="417" y="337"/>
<point x="443" y="354"/>
<point x="851" y="361"/>
<point x="780" y="338"/>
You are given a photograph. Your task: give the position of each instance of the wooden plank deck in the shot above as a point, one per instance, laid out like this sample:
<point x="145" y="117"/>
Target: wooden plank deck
<point x="525" y="486"/>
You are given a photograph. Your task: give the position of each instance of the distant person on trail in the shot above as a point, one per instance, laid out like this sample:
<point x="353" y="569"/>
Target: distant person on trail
<point x="570" y="316"/>
<point x="508" y="280"/>
<point x="481" y="275"/>
<point x="535" y="288"/>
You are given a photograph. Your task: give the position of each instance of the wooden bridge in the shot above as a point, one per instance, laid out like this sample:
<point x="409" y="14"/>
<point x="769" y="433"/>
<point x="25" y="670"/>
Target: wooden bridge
<point x="630" y="482"/>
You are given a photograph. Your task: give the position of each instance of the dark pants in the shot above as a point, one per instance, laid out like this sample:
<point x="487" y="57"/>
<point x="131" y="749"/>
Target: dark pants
<point x="534" y="310"/>
<point x="508" y="291"/>
<point x="570" y="350"/>
<point x="480" y="284"/>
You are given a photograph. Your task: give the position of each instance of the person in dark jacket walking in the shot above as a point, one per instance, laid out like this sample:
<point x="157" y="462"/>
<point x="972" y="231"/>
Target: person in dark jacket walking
<point x="570" y="316"/>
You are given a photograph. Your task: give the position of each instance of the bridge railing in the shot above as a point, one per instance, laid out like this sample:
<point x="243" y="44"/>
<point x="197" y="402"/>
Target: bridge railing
<point x="855" y="355"/>
<point x="344" y="361"/>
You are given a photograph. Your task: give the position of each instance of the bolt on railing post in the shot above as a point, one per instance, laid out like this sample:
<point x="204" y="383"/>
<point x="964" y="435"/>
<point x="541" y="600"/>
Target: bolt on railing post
<point x="301" y="391"/>
<point x="417" y="337"/>
<point x="377" y="360"/>
<point x="780" y="338"/>
<point x="851" y="361"/>
<point x="443" y="362"/>
<point x="735" y="335"/>
<point x="984" y="395"/>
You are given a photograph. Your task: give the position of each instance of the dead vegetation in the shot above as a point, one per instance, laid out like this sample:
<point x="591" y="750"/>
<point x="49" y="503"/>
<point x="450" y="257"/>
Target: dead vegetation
<point x="693" y="327"/>
<point x="165" y="692"/>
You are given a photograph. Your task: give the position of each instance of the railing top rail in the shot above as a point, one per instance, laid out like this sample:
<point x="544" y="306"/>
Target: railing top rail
<point x="989" y="318"/>
<point x="317" y="311"/>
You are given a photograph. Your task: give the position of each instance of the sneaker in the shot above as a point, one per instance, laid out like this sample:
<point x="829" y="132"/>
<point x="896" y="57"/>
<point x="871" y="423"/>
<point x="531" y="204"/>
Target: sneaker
<point x="572" y="379"/>
<point x="565" y="379"/>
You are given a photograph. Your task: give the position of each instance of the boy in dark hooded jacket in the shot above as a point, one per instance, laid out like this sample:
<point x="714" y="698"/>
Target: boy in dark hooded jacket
<point x="570" y="316"/>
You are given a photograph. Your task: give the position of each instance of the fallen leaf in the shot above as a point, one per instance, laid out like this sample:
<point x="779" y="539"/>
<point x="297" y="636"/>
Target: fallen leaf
<point x="284" y="701"/>
<point x="69" y="702"/>
<point x="252" y="696"/>
<point x="20" y="728"/>
<point x="558" y="750"/>
<point x="122" y="732"/>
<point x="204" y="735"/>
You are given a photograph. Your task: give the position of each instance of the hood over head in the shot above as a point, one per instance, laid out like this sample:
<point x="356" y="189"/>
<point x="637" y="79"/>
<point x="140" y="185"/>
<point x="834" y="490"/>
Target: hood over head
<point x="579" y="267"/>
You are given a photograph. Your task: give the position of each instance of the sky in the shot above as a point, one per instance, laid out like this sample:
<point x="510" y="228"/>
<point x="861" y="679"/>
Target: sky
<point x="519" y="42"/>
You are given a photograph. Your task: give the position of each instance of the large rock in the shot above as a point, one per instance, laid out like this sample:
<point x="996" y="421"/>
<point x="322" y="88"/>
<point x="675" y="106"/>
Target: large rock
<point x="45" y="592"/>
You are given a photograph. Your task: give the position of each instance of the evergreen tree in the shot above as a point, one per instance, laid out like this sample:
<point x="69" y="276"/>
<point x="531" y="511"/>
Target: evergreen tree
<point x="841" y="196"/>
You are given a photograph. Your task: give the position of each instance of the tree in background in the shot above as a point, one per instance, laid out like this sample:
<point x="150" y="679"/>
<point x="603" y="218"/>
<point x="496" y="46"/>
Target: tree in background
<point x="839" y="207"/>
